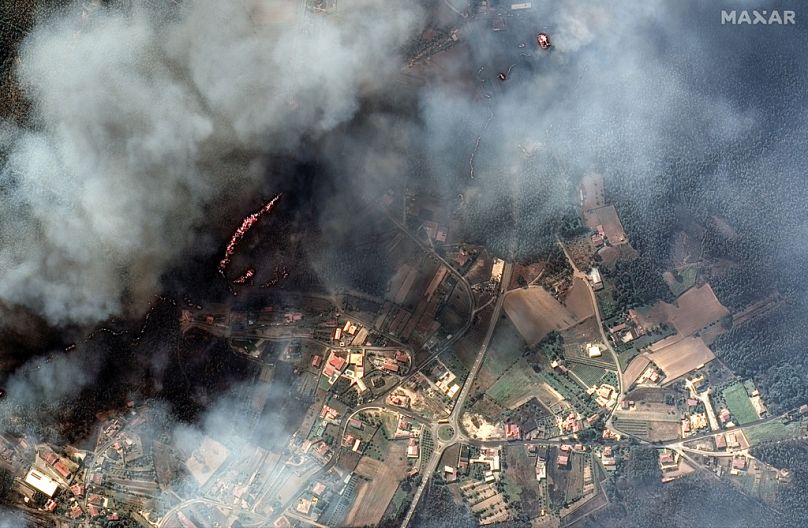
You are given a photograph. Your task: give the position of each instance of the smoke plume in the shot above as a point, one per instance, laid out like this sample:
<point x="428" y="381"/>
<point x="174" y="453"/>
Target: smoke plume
<point x="145" y="120"/>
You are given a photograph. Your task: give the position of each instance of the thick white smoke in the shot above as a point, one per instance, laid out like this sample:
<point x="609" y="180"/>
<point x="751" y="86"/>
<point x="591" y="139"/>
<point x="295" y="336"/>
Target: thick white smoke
<point x="143" y="119"/>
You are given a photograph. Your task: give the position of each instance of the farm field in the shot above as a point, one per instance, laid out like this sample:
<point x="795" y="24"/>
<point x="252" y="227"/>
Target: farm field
<point x="635" y="369"/>
<point x="681" y="357"/>
<point x="374" y="494"/>
<point x="514" y="385"/>
<point x="639" y="428"/>
<point x="520" y="480"/>
<point x="535" y="313"/>
<point x="607" y="217"/>
<point x="589" y="374"/>
<point x="772" y="431"/>
<point x="695" y="309"/>
<point x="592" y="191"/>
<point x="565" y="485"/>
<point x="687" y="280"/>
<point x="739" y="403"/>
<point x="578" y="300"/>
<point x="505" y="348"/>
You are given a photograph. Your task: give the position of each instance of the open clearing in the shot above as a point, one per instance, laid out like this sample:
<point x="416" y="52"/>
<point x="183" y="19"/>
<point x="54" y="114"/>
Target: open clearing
<point x="635" y="369"/>
<point x="612" y="227"/>
<point x="695" y="309"/>
<point x="374" y="495"/>
<point x="578" y="301"/>
<point x="739" y="404"/>
<point x="516" y="384"/>
<point x="772" y="431"/>
<point x="592" y="195"/>
<point x="505" y="348"/>
<point x="681" y="281"/>
<point x="535" y="313"/>
<point x="681" y="357"/>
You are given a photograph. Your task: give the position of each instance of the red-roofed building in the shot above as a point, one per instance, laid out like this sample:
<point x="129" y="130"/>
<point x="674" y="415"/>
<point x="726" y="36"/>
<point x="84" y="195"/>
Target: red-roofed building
<point x="75" y="511"/>
<point x="50" y="505"/>
<point x="60" y="468"/>
<point x="563" y="461"/>
<point x="93" y="510"/>
<point x="316" y="360"/>
<point x="390" y="365"/>
<point x="666" y="457"/>
<point x="512" y="432"/>
<point x="77" y="490"/>
<point x="720" y="441"/>
<point x="98" y="500"/>
<point x="282" y="522"/>
<point x="337" y="361"/>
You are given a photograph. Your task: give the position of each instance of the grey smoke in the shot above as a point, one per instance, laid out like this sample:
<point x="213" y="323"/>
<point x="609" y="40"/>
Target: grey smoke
<point x="143" y="120"/>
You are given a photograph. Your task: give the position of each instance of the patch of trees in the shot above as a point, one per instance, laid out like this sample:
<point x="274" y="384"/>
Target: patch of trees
<point x="771" y="350"/>
<point x="636" y="282"/>
<point x="551" y="346"/>
<point x="439" y="510"/>
<point x="793" y="456"/>
<point x="638" y="500"/>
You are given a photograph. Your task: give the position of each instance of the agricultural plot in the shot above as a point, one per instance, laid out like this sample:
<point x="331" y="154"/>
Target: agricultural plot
<point x="681" y="281"/>
<point x="589" y="374"/>
<point x="592" y="194"/>
<point x="535" y="313"/>
<point x="607" y="217"/>
<point x="772" y="431"/>
<point x="515" y="384"/>
<point x="565" y="485"/>
<point x="638" y="428"/>
<point x="739" y="403"/>
<point x="695" y="309"/>
<point x="520" y="480"/>
<point x="378" y="487"/>
<point x="681" y="357"/>
<point x="635" y="369"/>
<point x="505" y="348"/>
<point x="578" y="301"/>
<point x="571" y="392"/>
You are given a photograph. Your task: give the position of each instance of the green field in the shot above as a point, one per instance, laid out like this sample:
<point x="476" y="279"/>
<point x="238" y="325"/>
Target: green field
<point x="688" y="276"/>
<point x="739" y="403"/>
<point x="514" y="384"/>
<point x="633" y="427"/>
<point x="589" y="374"/>
<point x="505" y="349"/>
<point x="771" y="431"/>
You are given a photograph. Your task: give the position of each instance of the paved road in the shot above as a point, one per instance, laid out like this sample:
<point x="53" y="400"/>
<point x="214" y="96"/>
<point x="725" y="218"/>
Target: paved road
<point x="426" y="474"/>
<point x="620" y="384"/>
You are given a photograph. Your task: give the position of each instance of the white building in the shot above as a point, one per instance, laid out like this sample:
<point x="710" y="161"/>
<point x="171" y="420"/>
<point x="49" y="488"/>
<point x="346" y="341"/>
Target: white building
<point x="41" y="482"/>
